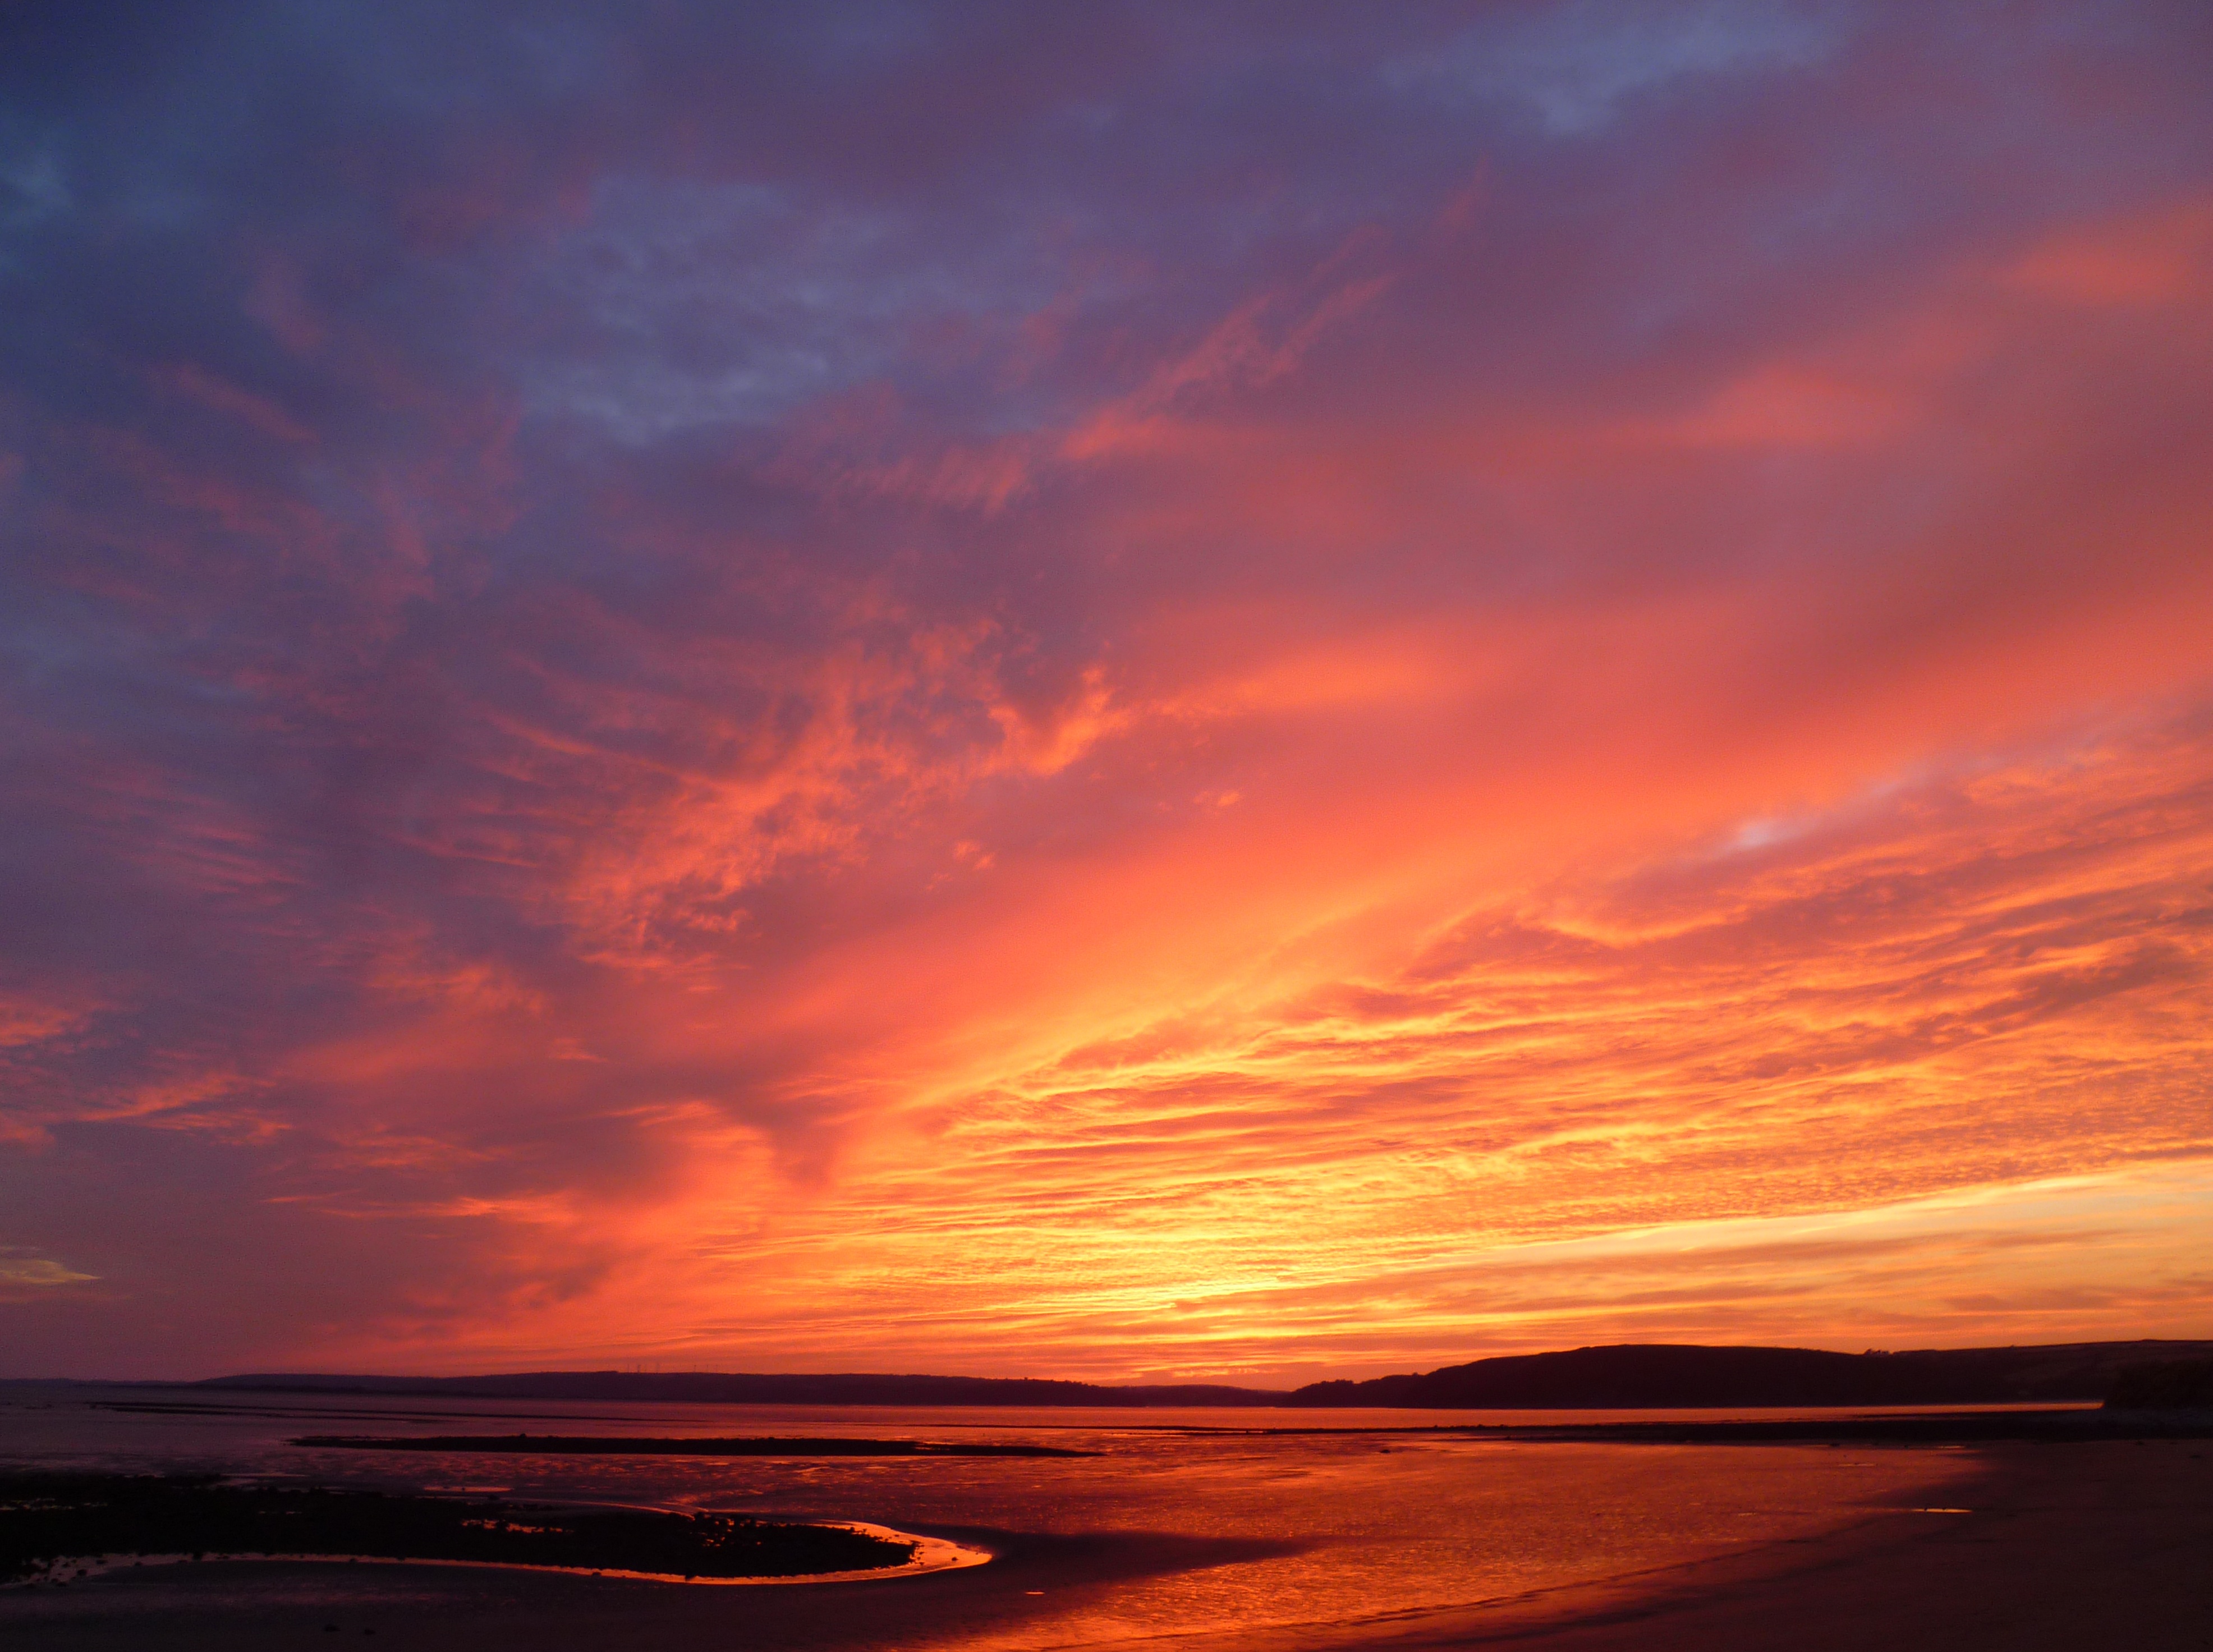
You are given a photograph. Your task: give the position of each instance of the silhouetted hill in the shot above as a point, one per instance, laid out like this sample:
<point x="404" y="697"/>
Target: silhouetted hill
<point x="739" y="1388"/>
<point x="1626" y="1377"/>
<point x="2164" y="1385"/>
<point x="1634" y="1374"/>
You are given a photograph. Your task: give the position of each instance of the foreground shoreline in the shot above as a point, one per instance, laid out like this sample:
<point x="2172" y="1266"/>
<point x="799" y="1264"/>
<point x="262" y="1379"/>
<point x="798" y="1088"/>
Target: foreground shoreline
<point x="2057" y="1546"/>
<point x="2061" y="1546"/>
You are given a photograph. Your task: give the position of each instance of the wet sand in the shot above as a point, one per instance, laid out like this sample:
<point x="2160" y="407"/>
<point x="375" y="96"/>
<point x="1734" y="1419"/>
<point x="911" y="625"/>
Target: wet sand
<point x="256" y="1606"/>
<point x="2066" y="1546"/>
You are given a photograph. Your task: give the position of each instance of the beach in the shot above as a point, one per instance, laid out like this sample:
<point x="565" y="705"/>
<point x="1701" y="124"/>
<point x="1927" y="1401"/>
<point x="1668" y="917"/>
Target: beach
<point x="2062" y="1546"/>
<point x="2059" y="1546"/>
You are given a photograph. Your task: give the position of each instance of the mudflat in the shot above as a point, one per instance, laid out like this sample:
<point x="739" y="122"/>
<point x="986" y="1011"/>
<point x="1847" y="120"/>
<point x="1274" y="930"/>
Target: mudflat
<point x="260" y="1606"/>
<point x="2063" y="1546"/>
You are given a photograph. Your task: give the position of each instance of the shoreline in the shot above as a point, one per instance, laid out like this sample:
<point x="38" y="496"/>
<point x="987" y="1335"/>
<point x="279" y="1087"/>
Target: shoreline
<point x="2060" y="1546"/>
<point x="931" y="1554"/>
<point x="2052" y="1547"/>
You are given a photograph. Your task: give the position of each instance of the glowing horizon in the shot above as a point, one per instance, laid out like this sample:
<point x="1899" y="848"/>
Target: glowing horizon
<point x="1210" y="696"/>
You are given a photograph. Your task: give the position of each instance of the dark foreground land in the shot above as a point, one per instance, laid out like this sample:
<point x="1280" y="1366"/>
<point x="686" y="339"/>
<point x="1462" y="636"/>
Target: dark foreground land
<point x="2061" y="1547"/>
<point x="47" y="1519"/>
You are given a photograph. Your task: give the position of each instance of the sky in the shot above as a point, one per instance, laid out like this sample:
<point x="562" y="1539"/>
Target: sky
<point x="1245" y="691"/>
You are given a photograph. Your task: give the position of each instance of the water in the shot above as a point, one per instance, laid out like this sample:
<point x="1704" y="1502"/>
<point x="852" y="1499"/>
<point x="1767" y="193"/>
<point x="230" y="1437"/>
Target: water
<point x="1347" y="1520"/>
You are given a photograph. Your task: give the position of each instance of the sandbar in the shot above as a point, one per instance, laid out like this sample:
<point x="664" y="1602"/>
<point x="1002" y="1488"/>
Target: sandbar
<point x="626" y="1445"/>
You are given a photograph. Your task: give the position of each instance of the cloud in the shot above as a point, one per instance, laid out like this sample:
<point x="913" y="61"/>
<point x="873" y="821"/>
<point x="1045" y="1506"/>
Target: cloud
<point x="1573" y="66"/>
<point x="1133" y="699"/>
<point x="20" y="1272"/>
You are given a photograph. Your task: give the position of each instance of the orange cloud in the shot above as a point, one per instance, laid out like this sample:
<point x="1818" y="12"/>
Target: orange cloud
<point x="1098" y="719"/>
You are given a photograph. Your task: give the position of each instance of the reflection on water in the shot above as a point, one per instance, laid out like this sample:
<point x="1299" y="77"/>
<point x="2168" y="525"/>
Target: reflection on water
<point x="1376" y="1522"/>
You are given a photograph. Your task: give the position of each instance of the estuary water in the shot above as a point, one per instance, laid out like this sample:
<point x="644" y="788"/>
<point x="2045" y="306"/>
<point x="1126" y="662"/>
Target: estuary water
<point x="1294" y="1521"/>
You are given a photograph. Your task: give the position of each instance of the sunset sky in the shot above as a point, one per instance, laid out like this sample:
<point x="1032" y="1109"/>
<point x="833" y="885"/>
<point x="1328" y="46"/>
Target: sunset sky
<point x="1244" y="690"/>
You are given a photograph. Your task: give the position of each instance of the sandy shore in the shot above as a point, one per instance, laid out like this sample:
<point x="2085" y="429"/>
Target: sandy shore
<point x="2065" y="1546"/>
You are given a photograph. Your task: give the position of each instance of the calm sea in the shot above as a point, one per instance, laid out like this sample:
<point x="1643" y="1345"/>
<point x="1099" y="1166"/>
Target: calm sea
<point x="1369" y="1520"/>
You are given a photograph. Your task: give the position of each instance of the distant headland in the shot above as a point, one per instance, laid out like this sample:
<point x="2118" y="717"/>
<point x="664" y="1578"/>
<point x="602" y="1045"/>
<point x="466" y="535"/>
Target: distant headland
<point x="1619" y="1377"/>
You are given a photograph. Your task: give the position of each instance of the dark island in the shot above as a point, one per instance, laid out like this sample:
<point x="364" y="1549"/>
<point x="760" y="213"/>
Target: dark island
<point x="619" y="1445"/>
<point x="49" y="1518"/>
